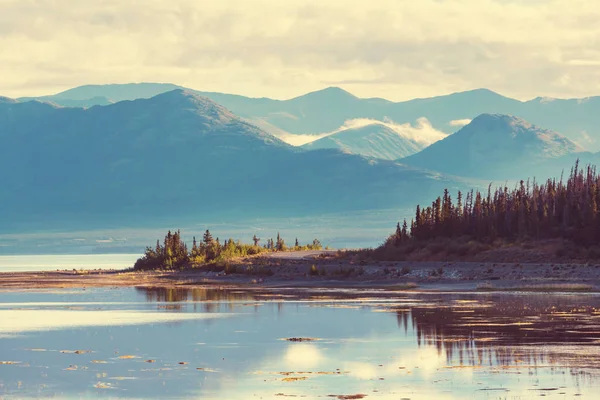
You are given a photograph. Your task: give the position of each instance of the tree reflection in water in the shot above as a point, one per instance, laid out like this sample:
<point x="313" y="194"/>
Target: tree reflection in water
<point x="509" y="330"/>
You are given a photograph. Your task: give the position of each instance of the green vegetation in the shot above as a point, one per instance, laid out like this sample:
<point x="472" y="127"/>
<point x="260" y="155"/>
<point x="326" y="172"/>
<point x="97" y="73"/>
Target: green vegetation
<point x="174" y="253"/>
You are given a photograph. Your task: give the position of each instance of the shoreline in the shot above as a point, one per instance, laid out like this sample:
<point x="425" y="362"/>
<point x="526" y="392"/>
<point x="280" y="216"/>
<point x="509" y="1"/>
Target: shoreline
<point x="331" y="273"/>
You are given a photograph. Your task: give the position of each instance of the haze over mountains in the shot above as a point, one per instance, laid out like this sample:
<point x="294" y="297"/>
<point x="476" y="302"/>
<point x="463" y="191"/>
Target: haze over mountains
<point x="378" y="140"/>
<point x="500" y="147"/>
<point x="327" y="110"/>
<point x="177" y="156"/>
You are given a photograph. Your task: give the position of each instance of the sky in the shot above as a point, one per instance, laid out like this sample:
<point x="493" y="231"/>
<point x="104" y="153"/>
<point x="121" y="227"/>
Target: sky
<point x="394" y="49"/>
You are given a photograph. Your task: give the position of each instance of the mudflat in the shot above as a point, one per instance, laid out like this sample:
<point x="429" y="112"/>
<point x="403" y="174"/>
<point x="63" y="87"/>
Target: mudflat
<point x="323" y="269"/>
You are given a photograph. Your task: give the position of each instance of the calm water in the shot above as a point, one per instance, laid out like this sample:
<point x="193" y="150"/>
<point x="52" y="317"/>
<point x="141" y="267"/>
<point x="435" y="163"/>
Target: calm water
<point x="23" y="263"/>
<point x="218" y="344"/>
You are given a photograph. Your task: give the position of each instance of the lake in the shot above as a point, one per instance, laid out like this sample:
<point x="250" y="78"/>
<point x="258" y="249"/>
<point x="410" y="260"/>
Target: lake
<point x="341" y="230"/>
<point x="211" y="343"/>
<point x="26" y="263"/>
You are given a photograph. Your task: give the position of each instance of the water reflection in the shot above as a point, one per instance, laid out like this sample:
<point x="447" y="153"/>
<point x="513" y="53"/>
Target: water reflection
<point x="509" y="329"/>
<point x="382" y="345"/>
<point x="195" y="294"/>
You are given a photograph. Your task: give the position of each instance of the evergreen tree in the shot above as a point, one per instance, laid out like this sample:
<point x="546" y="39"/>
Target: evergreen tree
<point x="553" y="209"/>
<point x="280" y="244"/>
<point x="398" y="235"/>
<point x="207" y="238"/>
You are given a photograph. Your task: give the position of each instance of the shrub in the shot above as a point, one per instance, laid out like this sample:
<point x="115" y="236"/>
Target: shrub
<point x="313" y="270"/>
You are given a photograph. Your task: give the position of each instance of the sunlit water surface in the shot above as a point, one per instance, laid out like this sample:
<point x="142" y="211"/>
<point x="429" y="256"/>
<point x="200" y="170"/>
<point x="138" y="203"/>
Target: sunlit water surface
<point x="25" y="263"/>
<point x="219" y="344"/>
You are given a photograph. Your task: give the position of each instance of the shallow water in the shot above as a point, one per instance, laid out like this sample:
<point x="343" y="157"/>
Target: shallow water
<point x="220" y="344"/>
<point x="25" y="263"/>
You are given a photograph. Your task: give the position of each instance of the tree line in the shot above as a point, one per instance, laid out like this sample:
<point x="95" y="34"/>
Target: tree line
<point x="174" y="252"/>
<point x="531" y="210"/>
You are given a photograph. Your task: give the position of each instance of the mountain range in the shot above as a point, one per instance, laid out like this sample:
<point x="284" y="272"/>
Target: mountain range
<point x="177" y="156"/>
<point x="144" y="154"/>
<point x="327" y="110"/>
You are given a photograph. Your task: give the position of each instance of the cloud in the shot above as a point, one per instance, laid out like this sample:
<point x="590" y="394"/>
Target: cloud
<point x="290" y="138"/>
<point x="397" y="49"/>
<point x="422" y="132"/>
<point x="303" y="356"/>
<point x="460" y="122"/>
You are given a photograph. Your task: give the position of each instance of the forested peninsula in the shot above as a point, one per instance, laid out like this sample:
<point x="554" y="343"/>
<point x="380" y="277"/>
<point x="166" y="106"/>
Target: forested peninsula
<point x="173" y="253"/>
<point x="558" y="216"/>
<point x="557" y="220"/>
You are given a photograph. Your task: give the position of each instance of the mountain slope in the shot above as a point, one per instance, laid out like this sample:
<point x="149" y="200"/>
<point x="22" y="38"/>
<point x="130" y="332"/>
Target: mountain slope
<point x="497" y="146"/>
<point x="326" y="110"/>
<point x="373" y="140"/>
<point x="174" y="157"/>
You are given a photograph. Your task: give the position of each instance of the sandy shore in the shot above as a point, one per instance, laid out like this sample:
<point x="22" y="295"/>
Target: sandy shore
<point x="323" y="269"/>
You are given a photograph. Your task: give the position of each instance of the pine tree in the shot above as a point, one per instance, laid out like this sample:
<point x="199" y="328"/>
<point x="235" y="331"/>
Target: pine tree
<point x="207" y="238"/>
<point x="280" y="244"/>
<point x="398" y="236"/>
<point x="553" y="209"/>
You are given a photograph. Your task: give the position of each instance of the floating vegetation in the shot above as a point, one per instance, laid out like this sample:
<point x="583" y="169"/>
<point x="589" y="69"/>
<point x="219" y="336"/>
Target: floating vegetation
<point x="127" y="357"/>
<point x="103" y="385"/>
<point x="294" y="378"/>
<point x="301" y="339"/>
<point x="75" y="351"/>
<point x="9" y="362"/>
<point x="291" y="373"/>
<point x="207" y="369"/>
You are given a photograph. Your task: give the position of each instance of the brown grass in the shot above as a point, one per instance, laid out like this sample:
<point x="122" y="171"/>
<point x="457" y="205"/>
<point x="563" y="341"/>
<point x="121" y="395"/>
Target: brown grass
<point x="467" y="249"/>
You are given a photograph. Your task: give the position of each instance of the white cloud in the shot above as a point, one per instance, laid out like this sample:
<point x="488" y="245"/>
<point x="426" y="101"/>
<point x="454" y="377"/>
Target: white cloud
<point x="460" y="122"/>
<point x="421" y="132"/>
<point x="19" y="321"/>
<point x="396" y="49"/>
<point x="300" y="355"/>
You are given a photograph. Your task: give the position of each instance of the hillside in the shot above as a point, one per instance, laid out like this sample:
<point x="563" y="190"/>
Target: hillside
<point x="373" y="140"/>
<point x="501" y="147"/>
<point x="174" y="157"/>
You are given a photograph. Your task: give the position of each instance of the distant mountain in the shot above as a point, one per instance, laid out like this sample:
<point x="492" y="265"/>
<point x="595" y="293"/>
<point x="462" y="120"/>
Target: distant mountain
<point x="175" y="157"/>
<point x="497" y="146"/>
<point x="90" y="95"/>
<point x="326" y="110"/>
<point x="373" y="140"/>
